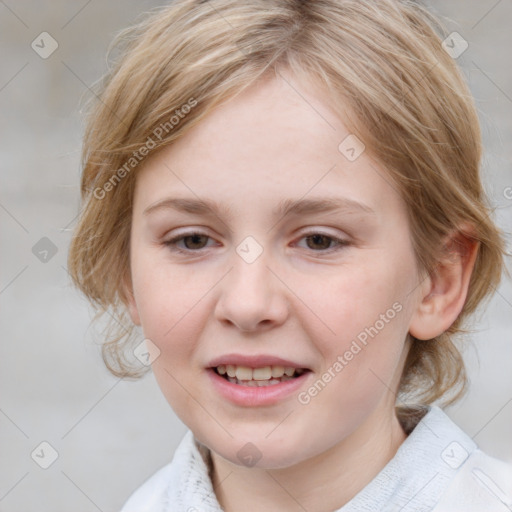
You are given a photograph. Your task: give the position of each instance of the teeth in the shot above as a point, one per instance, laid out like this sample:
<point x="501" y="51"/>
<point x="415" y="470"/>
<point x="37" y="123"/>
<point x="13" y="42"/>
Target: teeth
<point x="277" y="371"/>
<point x="243" y="373"/>
<point x="259" y="383"/>
<point x="265" y="374"/>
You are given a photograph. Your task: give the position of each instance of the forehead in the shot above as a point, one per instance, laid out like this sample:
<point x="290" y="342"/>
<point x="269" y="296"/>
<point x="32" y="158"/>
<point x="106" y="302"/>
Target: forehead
<point x="274" y="118"/>
<point x="274" y="143"/>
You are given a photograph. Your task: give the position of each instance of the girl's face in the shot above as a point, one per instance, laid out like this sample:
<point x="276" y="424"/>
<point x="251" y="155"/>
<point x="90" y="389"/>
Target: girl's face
<point x="263" y="235"/>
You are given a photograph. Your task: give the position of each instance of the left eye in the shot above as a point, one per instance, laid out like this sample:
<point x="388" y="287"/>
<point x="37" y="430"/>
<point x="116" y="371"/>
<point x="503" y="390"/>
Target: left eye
<point x="194" y="242"/>
<point x="323" y="242"/>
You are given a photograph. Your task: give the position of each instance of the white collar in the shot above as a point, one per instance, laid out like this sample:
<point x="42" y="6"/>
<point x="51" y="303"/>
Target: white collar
<point x="436" y="445"/>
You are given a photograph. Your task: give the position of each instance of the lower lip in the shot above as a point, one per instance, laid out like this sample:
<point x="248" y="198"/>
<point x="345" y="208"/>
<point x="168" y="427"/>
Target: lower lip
<point x="253" y="396"/>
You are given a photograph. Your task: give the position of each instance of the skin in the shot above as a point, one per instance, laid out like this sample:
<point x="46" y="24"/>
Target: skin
<point x="297" y="300"/>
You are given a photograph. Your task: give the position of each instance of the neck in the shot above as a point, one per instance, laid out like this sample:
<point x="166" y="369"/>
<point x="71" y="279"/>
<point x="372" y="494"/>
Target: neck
<point x="323" y="483"/>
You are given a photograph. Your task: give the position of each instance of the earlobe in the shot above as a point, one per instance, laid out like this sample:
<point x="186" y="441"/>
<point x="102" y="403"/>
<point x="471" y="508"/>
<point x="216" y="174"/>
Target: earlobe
<point x="444" y="292"/>
<point x="132" y="309"/>
<point x="130" y="303"/>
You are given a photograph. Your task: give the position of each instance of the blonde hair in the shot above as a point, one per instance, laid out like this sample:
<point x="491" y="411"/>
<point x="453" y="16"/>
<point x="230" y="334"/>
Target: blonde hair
<point x="387" y="76"/>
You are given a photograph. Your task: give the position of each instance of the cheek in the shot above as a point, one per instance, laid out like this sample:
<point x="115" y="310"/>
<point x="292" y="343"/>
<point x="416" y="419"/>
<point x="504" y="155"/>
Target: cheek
<point x="173" y="317"/>
<point x="166" y="303"/>
<point x="352" y="301"/>
<point x="164" y="293"/>
<point x="365" y="308"/>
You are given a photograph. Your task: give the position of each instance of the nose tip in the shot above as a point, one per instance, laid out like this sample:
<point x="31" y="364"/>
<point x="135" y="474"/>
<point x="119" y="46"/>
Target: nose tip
<point x="251" y="298"/>
<point x="256" y="325"/>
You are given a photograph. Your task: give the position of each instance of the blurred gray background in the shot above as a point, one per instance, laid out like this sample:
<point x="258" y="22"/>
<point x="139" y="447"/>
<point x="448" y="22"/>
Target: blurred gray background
<point x="108" y="434"/>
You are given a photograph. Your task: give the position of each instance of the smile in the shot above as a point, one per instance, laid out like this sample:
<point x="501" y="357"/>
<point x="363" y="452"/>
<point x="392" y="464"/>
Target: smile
<point x="258" y="377"/>
<point x="257" y="386"/>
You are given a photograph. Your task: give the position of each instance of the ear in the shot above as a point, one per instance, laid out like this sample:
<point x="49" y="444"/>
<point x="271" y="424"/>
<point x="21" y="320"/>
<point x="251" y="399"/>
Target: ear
<point x="444" y="292"/>
<point x="129" y="300"/>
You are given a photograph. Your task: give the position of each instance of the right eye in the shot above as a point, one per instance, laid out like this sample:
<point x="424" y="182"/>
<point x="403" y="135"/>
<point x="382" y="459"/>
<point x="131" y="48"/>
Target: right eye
<point x="193" y="241"/>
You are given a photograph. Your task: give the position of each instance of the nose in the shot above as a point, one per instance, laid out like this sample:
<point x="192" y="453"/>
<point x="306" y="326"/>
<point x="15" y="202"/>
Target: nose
<point x="252" y="297"/>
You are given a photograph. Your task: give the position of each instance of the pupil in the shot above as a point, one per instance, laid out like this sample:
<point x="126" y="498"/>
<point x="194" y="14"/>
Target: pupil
<point x="316" y="240"/>
<point x="195" y="240"/>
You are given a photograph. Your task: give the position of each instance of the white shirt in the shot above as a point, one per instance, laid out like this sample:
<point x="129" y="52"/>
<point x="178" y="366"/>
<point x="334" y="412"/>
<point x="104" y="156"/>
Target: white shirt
<point x="438" y="468"/>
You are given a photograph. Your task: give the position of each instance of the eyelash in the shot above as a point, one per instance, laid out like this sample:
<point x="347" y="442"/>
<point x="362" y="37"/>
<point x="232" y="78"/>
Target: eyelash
<point x="172" y="243"/>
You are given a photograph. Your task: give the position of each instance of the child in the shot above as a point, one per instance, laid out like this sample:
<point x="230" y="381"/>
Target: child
<point x="285" y="197"/>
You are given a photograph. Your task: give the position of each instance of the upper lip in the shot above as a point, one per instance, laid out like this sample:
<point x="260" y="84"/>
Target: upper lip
<point x="257" y="361"/>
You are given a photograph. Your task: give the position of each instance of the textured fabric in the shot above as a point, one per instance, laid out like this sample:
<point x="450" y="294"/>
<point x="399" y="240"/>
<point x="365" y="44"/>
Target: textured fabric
<point x="438" y="468"/>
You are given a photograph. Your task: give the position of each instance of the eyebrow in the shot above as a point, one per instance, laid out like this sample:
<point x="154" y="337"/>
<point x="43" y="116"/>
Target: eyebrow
<point x="285" y="207"/>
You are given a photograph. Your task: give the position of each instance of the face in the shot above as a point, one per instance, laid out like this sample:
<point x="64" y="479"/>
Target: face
<point x="303" y="260"/>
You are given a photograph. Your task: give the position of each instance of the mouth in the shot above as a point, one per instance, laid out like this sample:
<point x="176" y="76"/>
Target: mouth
<point x="258" y="377"/>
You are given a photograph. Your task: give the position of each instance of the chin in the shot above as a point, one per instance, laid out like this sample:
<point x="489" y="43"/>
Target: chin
<point x="259" y="453"/>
